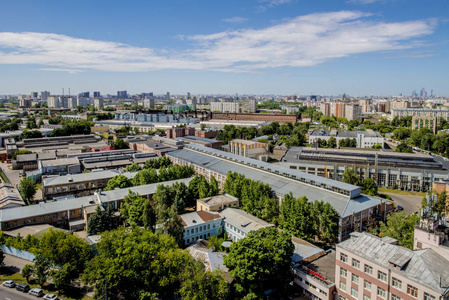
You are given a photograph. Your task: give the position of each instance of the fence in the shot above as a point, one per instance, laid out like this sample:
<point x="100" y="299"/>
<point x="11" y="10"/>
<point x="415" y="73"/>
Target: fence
<point x="17" y="253"/>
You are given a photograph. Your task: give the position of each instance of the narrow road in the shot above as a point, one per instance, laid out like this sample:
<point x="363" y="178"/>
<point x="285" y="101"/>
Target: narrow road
<point x="12" y="294"/>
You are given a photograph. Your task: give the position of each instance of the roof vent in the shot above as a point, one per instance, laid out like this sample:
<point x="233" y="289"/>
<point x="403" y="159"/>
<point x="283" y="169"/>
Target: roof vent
<point x="193" y="221"/>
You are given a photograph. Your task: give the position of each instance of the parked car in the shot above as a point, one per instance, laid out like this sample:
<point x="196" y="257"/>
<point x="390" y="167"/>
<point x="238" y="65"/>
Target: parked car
<point x="400" y="207"/>
<point x="23" y="287"/>
<point x="9" y="283"/>
<point x="36" y="292"/>
<point x="51" y="297"/>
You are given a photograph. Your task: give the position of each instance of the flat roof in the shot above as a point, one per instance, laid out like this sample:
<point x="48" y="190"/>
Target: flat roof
<point x="27" y="157"/>
<point x="324" y="266"/>
<point x="83" y="177"/>
<point x="218" y="200"/>
<point x="59" y="162"/>
<point x="243" y="220"/>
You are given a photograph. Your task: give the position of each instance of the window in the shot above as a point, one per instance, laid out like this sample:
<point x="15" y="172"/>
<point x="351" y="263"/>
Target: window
<point x="343" y="257"/>
<point x="368" y="270"/>
<point x="397" y="283"/>
<point x="394" y="297"/>
<point x="354" y="293"/>
<point x="367" y="285"/>
<point x="428" y="297"/>
<point x="355" y="278"/>
<point x="342" y="286"/>
<point x="356" y="263"/>
<point x="342" y="298"/>
<point x="365" y="297"/>
<point x="381" y="292"/>
<point x="412" y="291"/>
<point x="382" y="276"/>
<point x="343" y="272"/>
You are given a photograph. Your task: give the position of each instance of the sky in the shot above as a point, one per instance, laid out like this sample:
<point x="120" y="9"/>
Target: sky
<point x="261" y="47"/>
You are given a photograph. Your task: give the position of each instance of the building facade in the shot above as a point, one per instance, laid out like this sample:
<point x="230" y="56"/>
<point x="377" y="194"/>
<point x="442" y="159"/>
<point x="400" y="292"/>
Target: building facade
<point x="369" y="267"/>
<point x="232" y="107"/>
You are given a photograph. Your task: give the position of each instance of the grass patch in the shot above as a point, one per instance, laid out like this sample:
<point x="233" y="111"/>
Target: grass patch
<point x="399" y="192"/>
<point x="48" y="288"/>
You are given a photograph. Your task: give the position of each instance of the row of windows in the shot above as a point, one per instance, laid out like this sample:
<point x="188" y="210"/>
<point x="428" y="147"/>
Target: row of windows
<point x="196" y="238"/>
<point x="411" y="290"/>
<point x="199" y="229"/>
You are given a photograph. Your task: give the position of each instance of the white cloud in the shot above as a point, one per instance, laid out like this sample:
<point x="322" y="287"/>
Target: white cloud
<point x="365" y="1"/>
<point x="302" y="41"/>
<point x="235" y="20"/>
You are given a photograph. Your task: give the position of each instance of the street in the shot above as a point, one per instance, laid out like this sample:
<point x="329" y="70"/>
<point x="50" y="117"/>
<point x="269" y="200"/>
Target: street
<point x="409" y="203"/>
<point x="12" y="294"/>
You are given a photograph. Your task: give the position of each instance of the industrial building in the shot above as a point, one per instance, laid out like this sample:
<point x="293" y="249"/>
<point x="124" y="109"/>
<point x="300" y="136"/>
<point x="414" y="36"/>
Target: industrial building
<point x="365" y="139"/>
<point x="355" y="209"/>
<point x="406" y="171"/>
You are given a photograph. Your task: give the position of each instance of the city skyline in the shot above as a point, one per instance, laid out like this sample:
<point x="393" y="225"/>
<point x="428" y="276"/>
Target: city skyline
<point x="266" y="47"/>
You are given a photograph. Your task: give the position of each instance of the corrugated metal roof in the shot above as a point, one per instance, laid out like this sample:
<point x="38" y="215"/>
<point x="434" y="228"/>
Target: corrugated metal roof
<point x="424" y="266"/>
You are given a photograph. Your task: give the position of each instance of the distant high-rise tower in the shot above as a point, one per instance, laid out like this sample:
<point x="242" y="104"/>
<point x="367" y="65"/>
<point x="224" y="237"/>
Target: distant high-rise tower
<point x="85" y="94"/>
<point x="168" y="96"/>
<point x="97" y="95"/>
<point x="45" y="95"/>
<point x="188" y="95"/>
<point x="421" y="93"/>
<point x="122" y="94"/>
<point x="431" y="93"/>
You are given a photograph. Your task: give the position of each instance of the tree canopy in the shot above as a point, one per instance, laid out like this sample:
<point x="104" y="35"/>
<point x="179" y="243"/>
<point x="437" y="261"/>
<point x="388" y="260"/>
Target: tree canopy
<point x="27" y="188"/>
<point x="400" y="226"/>
<point x="259" y="262"/>
<point x="349" y="176"/>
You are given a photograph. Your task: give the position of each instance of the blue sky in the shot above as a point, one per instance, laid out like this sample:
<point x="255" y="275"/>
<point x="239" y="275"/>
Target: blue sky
<point x="358" y="47"/>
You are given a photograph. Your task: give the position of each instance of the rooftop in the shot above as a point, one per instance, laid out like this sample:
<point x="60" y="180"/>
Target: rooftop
<point x="59" y="162"/>
<point x="222" y="199"/>
<point x="9" y="195"/>
<point x="83" y="177"/>
<point x="423" y="266"/>
<point x="199" y="217"/>
<point x="242" y="220"/>
<point x="281" y="180"/>
<point x="324" y="266"/>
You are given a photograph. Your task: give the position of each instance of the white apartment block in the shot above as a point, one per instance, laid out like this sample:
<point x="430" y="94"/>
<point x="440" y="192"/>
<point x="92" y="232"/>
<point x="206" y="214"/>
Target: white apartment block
<point x="232" y="107"/>
<point x="249" y="105"/>
<point x="289" y="109"/>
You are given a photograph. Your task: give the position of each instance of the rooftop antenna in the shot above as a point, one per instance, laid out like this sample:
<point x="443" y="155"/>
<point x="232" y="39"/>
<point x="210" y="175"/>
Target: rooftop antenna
<point x="69" y="92"/>
<point x="62" y="92"/>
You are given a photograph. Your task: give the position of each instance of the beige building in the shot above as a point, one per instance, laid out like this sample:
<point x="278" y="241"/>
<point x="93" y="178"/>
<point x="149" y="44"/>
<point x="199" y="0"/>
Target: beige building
<point x="424" y="122"/>
<point x="217" y="203"/>
<point x="370" y="267"/>
<point x="248" y="148"/>
<point x="249" y="105"/>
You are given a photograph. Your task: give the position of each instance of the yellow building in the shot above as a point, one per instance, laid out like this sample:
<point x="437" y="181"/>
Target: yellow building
<point x="217" y="203"/>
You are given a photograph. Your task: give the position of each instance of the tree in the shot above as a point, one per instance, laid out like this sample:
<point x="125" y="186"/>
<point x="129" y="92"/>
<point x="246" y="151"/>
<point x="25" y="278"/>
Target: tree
<point x="96" y="223"/>
<point x="27" y="188"/>
<point x="440" y="205"/>
<point x="27" y="271"/>
<point x="132" y="209"/>
<point x="261" y="261"/>
<point x="203" y="126"/>
<point x="332" y="142"/>
<point x="404" y="148"/>
<point x="119" y="181"/>
<point x="41" y="269"/>
<point x="121" y="144"/>
<point x="349" y="176"/>
<point x="163" y="161"/>
<point x="149" y="216"/>
<point x="20" y="152"/>
<point x="152" y="267"/>
<point x="30" y="134"/>
<point x="369" y="186"/>
<point x="2" y="257"/>
<point x="133" y="167"/>
<point x="31" y="123"/>
<point x="197" y="284"/>
<point x="170" y="223"/>
<point x="400" y="226"/>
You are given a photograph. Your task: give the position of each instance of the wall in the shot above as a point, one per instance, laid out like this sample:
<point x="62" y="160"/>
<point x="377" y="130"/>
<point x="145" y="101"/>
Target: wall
<point x="255" y="117"/>
<point x="18" y="253"/>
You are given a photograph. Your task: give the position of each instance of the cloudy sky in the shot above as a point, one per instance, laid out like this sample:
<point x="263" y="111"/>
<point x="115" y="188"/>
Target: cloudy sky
<point x="358" y="47"/>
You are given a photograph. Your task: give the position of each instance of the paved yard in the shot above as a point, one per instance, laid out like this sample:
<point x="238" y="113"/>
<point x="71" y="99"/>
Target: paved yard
<point x="409" y="203"/>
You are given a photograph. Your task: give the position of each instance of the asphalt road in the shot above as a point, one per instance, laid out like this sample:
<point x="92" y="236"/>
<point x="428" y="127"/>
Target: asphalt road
<point x="409" y="203"/>
<point x="12" y="294"/>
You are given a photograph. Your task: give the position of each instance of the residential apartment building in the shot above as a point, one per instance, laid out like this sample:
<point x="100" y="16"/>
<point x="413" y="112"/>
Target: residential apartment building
<point x="99" y="103"/>
<point x="289" y="109"/>
<point x="417" y="112"/>
<point x="370" y="267"/>
<point x="325" y="108"/>
<point x="248" y="105"/>
<point x="232" y="107"/>
<point x="424" y="122"/>
<point x="350" y="111"/>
